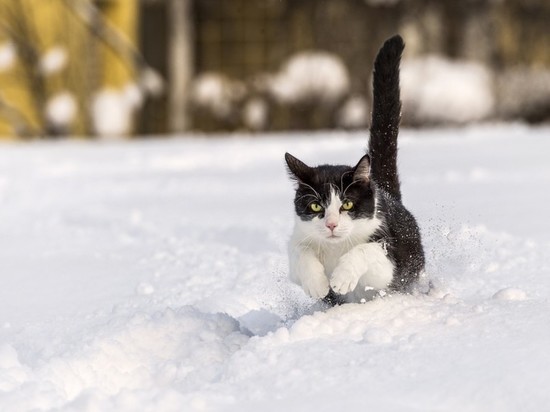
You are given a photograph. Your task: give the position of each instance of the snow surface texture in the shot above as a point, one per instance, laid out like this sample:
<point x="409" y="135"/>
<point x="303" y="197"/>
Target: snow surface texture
<point x="152" y="276"/>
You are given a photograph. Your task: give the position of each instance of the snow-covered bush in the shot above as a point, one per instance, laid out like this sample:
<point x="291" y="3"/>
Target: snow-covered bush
<point x="113" y="109"/>
<point x="305" y="93"/>
<point x="354" y="113"/>
<point x="53" y="60"/>
<point x="61" y="109"/>
<point x="150" y="82"/>
<point x="217" y="94"/>
<point x="112" y="112"/>
<point x="310" y="76"/>
<point x="255" y="113"/>
<point x="7" y="55"/>
<point x="436" y="90"/>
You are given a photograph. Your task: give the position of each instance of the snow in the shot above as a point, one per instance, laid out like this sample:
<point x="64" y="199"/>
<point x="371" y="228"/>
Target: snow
<point x="217" y="93"/>
<point x="151" y="82"/>
<point x="437" y="90"/>
<point x="310" y="75"/>
<point x="53" y="60"/>
<point x="133" y="96"/>
<point x="152" y="275"/>
<point x="354" y="113"/>
<point x="61" y="109"/>
<point x="510" y="294"/>
<point x="255" y="113"/>
<point x="112" y="111"/>
<point x="7" y="55"/>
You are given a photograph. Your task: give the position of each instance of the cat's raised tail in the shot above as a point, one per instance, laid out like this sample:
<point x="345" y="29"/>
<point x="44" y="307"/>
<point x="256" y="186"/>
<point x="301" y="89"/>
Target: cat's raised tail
<point x="386" y="114"/>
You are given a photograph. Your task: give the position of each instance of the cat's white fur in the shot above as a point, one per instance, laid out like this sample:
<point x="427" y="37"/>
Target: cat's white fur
<point x="341" y="258"/>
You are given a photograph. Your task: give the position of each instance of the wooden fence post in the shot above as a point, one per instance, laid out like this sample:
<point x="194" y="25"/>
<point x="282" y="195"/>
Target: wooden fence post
<point x="181" y="62"/>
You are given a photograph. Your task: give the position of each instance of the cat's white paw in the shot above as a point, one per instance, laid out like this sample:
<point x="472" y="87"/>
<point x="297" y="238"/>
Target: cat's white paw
<point x="315" y="285"/>
<point x="308" y="272"/>
<point x="344" y="279"/>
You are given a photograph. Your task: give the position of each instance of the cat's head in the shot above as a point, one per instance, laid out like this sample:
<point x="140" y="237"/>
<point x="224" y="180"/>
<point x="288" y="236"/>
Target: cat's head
<point x="333" y="203"/>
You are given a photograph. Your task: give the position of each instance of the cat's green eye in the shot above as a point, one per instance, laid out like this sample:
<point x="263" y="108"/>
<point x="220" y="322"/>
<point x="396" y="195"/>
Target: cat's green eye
<point x="316" y="207"/>
<point x="347" y="205"/>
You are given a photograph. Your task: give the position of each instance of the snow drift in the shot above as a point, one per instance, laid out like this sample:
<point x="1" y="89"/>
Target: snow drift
<point x="151" y="276"/>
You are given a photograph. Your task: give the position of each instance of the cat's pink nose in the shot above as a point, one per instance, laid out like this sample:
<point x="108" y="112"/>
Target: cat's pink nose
<point x="331" y="225"/>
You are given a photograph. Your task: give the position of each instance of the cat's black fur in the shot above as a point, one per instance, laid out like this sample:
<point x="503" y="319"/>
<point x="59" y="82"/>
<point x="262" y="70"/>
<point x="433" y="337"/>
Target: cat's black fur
<point x="399" y="232"/>
<point x="386" y="115"/>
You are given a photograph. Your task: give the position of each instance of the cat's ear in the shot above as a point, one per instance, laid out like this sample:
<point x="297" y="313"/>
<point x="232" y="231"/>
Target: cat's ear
<point x="362" y="170"/>
<point x="298" y="169"/>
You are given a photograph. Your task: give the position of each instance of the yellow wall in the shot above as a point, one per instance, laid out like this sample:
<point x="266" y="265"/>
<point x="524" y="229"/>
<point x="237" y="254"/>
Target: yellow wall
<point x="91" y="64"/>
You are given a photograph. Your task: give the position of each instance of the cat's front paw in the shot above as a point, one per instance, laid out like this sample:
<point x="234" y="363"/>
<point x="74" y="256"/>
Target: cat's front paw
<point x="344" y="279"/>
<point x="316" y="286"/>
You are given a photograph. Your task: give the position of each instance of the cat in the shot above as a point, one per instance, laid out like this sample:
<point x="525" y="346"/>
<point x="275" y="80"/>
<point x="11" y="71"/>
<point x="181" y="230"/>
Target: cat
<point x="353" y="238"/>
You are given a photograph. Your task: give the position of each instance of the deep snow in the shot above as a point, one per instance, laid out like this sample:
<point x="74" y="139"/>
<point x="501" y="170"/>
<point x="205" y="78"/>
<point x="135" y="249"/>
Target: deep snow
<point x="151" y="276"/>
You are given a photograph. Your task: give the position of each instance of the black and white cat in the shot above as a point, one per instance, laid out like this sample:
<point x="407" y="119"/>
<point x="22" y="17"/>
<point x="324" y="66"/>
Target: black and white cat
<point x="352" y="234"/>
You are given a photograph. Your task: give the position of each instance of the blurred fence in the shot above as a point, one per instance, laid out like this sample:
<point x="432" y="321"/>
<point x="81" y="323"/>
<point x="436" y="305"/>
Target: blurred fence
<point x="274" y="65"/>
<point x="84" y="67"/>
<point x="71" y="67"/>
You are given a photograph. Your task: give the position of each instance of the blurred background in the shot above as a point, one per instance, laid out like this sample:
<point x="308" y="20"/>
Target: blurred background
<point x="122" y="68"/>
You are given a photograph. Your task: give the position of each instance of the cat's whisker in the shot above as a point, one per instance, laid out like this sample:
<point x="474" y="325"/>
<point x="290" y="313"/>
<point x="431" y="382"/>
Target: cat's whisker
<point x="306" y="195"/>
<point x="342" y="181"/>
<point x="308" y="186"/>
<point x="308" y="239"/>
<point x="351" y="184"/>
